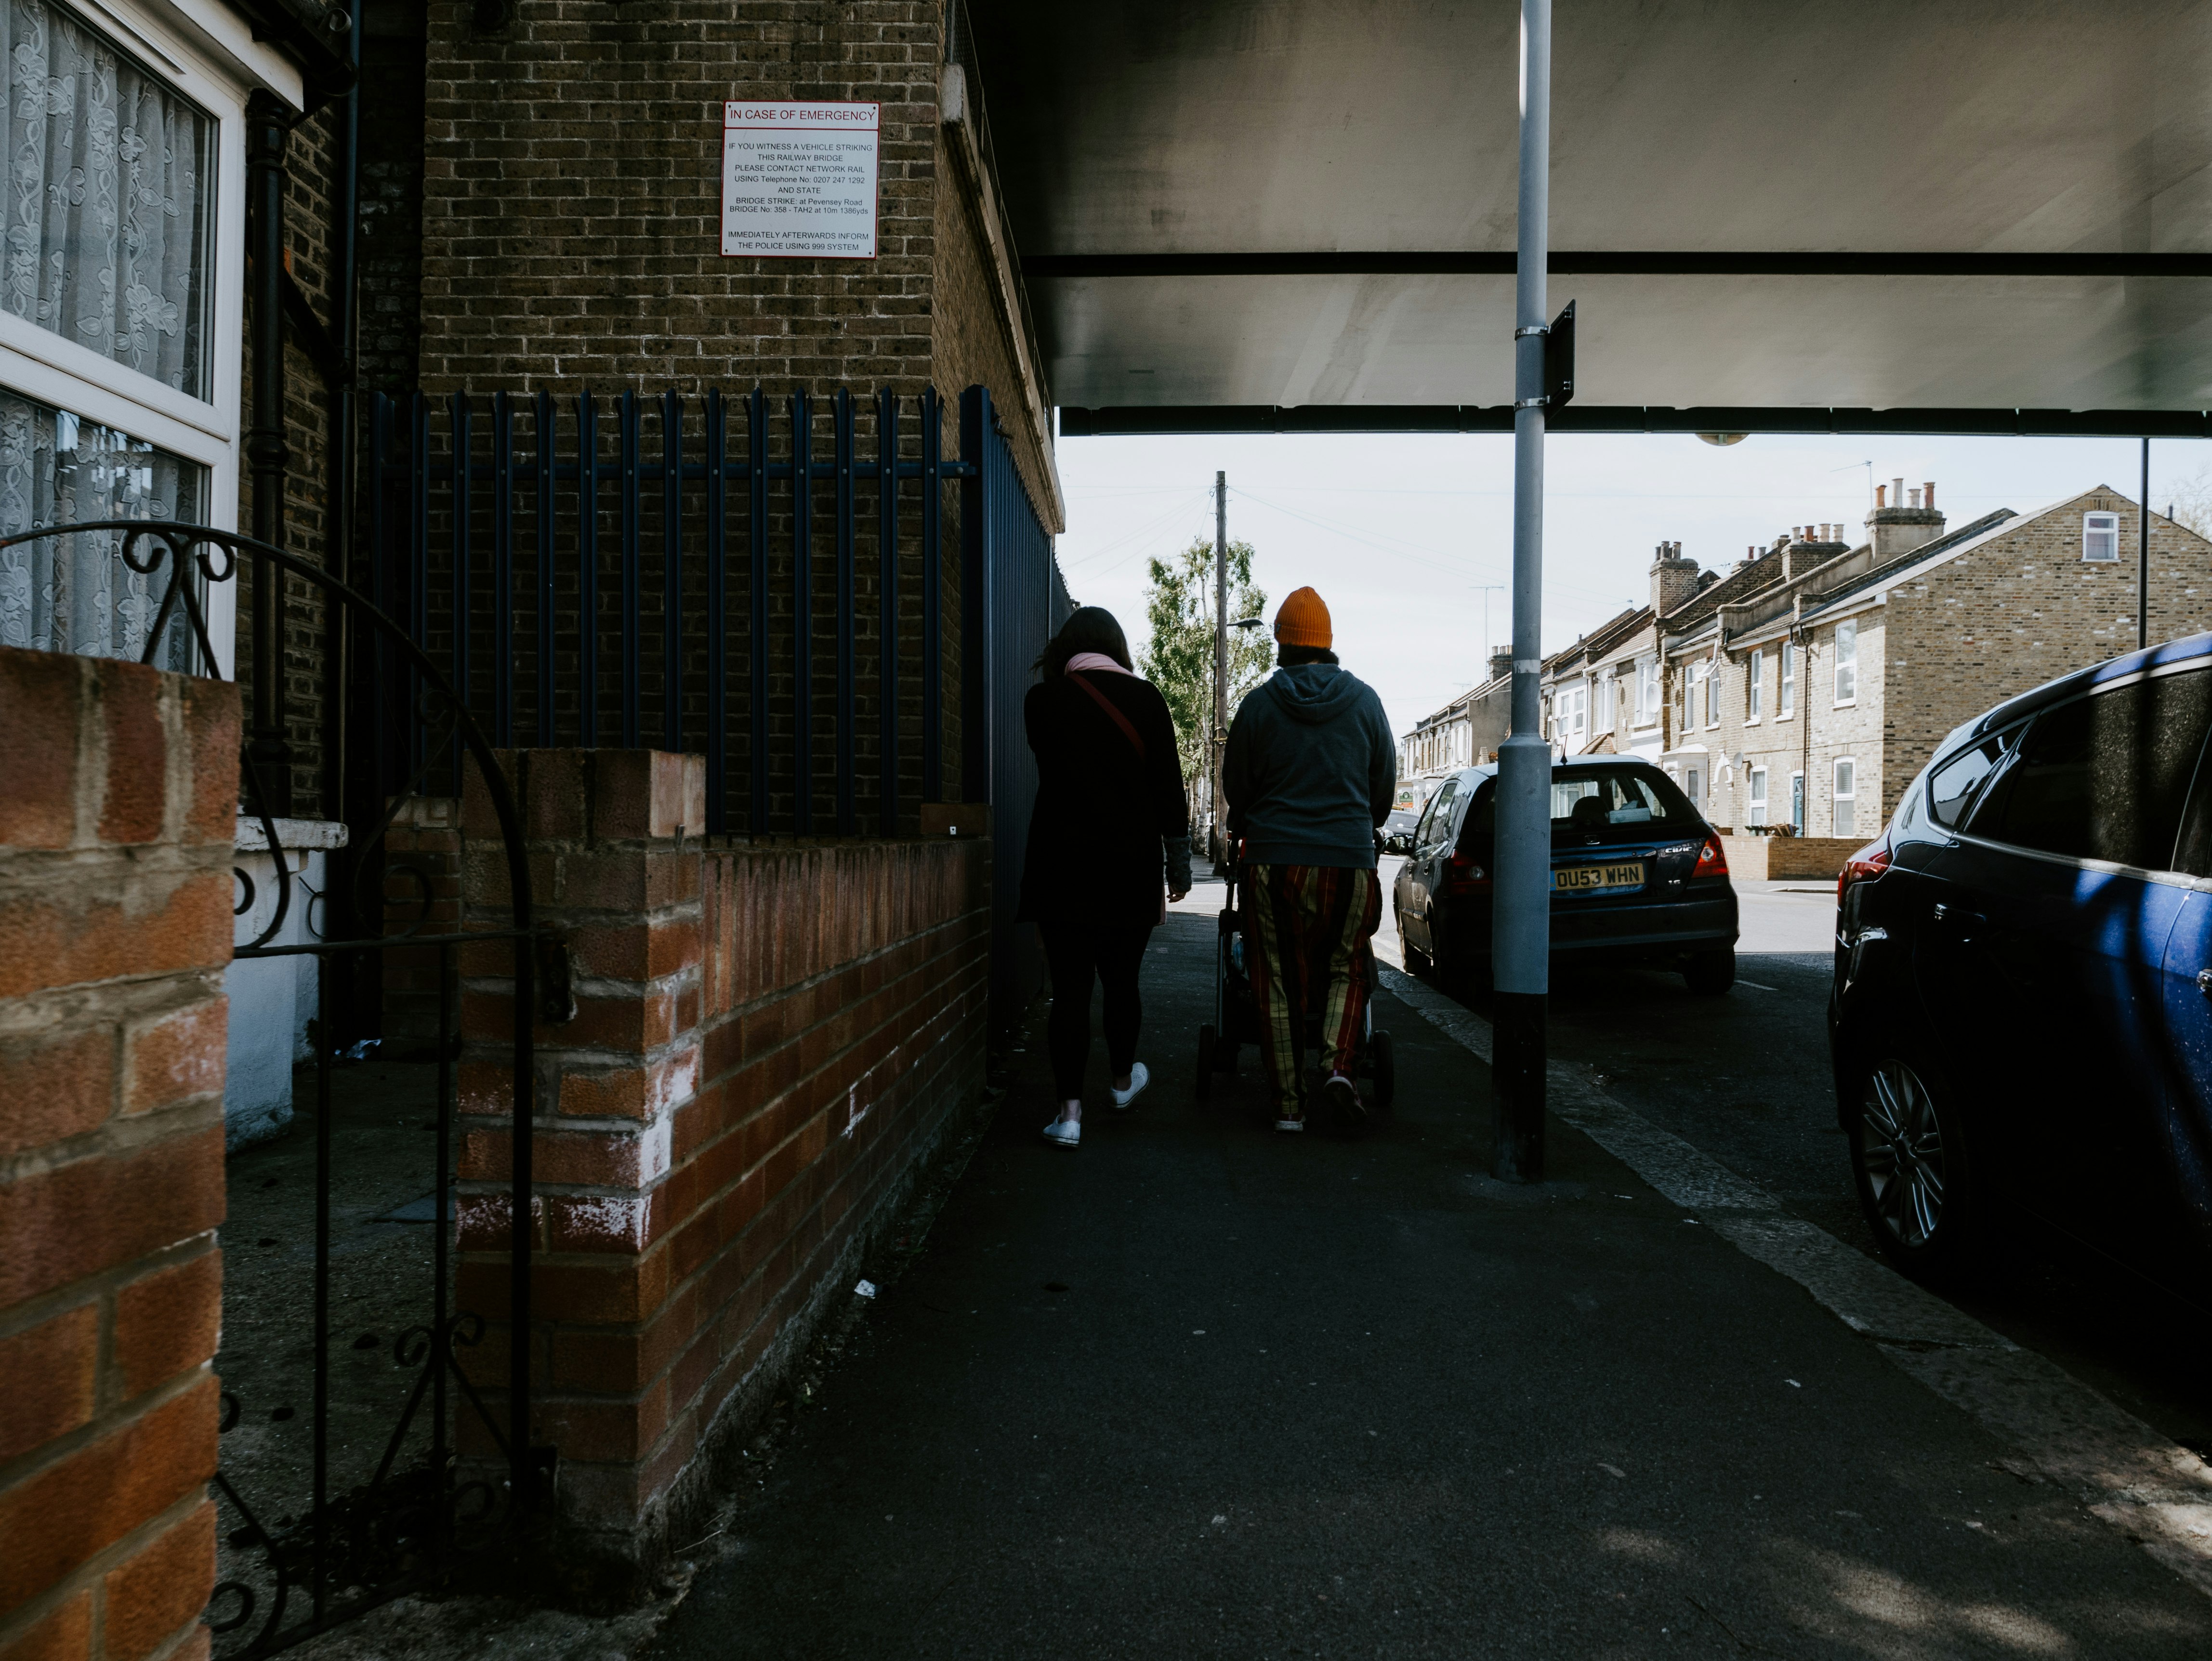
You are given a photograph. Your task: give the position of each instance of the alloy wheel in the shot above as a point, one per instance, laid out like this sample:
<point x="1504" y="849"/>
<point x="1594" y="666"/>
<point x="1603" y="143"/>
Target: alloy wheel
<point x="1901" y="1150"/>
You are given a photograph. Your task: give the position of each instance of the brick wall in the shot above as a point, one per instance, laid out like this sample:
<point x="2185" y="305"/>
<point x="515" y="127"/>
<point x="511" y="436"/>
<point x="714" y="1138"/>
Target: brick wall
<point x="115" y="893"/>
<point x="769" y="1041"/>
<point x="2019" y="609"/>
<point x="310" y="162"/>
<point x="2022" y="609"/>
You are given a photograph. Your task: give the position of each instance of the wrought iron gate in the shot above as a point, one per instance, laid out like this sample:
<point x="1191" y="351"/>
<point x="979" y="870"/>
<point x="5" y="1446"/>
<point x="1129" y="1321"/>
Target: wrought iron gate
<point x="296" y="1563"/>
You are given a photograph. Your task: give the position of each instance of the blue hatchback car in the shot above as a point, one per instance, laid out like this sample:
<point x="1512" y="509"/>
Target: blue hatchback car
<point x="2021" y="1013"/>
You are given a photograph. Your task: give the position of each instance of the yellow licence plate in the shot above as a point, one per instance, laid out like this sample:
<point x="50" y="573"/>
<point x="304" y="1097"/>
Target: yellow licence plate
<point x="1594" y="878"/>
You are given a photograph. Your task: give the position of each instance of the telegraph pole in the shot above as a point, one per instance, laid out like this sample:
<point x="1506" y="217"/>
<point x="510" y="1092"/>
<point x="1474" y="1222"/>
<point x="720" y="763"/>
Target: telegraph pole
<point x="1522" y="934"/>
<point x="1219" y="749"/>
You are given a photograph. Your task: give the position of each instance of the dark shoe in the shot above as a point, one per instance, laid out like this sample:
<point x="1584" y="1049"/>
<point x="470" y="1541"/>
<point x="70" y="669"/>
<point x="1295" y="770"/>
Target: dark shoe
<point x="1344" y="1097"/>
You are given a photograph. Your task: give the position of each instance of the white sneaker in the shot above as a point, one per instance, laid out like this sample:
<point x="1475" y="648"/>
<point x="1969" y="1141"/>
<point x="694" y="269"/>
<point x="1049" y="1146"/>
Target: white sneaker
<point x="1064" y="1133"/>
<point x="1140" y="1076"/>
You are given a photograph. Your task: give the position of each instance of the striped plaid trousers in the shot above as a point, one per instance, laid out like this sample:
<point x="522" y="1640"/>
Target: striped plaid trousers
<point x="1311" y="928"/>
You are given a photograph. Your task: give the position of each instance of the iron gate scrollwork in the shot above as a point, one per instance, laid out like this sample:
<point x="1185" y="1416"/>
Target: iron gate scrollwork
<point x="290" y="1575"/>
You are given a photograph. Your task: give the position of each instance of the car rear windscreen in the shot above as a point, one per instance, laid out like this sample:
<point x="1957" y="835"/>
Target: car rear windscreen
<point x="1599" y="805"/>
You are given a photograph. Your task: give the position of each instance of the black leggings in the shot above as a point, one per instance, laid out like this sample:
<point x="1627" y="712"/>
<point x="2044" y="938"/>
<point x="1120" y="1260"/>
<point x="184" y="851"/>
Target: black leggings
<point x="1077" y="952"/>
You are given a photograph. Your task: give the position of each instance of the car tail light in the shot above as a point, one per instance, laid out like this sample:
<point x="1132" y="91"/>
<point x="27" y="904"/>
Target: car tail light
<point x="1463" y="876"/>
<point x="1869" y="862"/>
<point x="1712" y="858"/>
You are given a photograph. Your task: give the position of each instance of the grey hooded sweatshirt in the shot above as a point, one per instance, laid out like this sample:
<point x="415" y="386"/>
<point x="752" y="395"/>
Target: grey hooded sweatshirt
<point x="1312" y="769"/>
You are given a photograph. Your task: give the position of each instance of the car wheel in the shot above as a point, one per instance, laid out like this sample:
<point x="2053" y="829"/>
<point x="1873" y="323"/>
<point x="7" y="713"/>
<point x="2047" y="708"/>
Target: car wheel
<point x="1206" y="1061"/>
<point x="1711" y="973"/>
<point x="1909" y="1162"/>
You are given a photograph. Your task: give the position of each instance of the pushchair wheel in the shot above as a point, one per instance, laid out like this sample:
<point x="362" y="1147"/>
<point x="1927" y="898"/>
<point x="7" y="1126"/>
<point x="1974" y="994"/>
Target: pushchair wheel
<point x="1206" y="1061"/>
<point x="1385" y="1064"/>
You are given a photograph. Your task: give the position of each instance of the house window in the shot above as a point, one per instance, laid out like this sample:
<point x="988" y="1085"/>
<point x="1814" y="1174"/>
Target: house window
<point x="1647" y="691"/>
<point x="1575" y="714"/>
<point x="1755" y="811"/>
<point x="1713" y="693"/>
<point x="1786" y="705"/>
<point x="1847" y="662"/>
<point x="75" y="594"/>
<point x="1797" y="803"/>
<point x="1846" y="796"/>
<point x="1753" y="685"/>
<point x="1695" y="787"/>
<point x="2100" y="538"/>
<point x="109" y="216"/>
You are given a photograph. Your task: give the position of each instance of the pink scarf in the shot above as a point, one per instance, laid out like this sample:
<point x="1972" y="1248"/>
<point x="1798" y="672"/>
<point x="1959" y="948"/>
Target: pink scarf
<point x="1086" y="662"/>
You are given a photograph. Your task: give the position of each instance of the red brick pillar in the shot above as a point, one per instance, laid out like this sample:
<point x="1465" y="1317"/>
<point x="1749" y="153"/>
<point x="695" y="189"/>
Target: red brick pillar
<point x="614" y="855"/>
<point x="117" y="819"/>
<point x="769" y="1043"/>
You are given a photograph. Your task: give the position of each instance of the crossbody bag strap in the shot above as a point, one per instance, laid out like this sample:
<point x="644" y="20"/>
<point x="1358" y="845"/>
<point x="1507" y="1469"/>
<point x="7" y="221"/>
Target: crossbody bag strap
<point x="1128" y="727"/>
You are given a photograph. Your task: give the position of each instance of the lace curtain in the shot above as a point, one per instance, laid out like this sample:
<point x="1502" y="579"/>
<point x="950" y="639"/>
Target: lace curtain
<point x="110" y="178"/>
<point x="75" y="594"/>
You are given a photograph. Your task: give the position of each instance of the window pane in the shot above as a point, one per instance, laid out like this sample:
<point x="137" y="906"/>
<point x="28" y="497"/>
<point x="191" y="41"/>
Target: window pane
<point x="75" y="594"/>
<point x="2101" y="536"/>
<point x="111" y="177"/>
<point x="1953" y="789"/>
<point x="1847" y="817"/>
<point x="1615" y="804"/>
<point x="2104" y="777"/>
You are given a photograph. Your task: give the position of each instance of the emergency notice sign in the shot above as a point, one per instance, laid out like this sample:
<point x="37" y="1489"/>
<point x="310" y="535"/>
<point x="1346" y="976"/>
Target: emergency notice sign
<point x="798" y="180"/>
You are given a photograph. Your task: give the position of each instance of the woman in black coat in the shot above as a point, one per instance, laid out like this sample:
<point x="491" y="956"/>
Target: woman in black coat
<point x="1109" y="829"/>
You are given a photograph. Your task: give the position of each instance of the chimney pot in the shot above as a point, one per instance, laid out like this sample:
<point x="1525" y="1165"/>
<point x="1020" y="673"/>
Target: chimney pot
<point x="1879" y="491"/>
<point x="1897" y="493"/>
<point x="1928" y="494"/>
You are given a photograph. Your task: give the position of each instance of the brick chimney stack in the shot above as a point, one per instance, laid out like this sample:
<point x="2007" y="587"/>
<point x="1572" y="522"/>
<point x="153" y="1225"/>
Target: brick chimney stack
<point x="1501" y="663"/>
<point x="1902" y="521"/>
<point x="1674" y="579"/>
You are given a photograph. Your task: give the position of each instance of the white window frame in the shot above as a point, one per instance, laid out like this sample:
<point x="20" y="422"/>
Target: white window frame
<point x="1843" y="792"/>
<point x="1754" y="686"/>
<point x="1693" y="787"/>
<point x="1847" y="663"/>
<point x="1712" y="692"/>
<point x="1785" y="702"/>
<point x="1800" y="809"/>
<point x="1754" y="811"/>
<point x="2096" y="526"/>
<point x="1647" y="691"/>
<point x="206" y="51"/>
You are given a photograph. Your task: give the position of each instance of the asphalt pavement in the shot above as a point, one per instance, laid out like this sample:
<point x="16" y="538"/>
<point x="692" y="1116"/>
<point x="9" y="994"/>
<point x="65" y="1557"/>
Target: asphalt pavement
<point x="1197" y="1388"/>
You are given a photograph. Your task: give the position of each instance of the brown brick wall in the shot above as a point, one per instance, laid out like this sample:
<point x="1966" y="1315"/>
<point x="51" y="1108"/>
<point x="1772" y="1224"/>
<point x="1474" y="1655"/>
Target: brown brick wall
<point x="115" y="847"/>
<point x="768" y="1044"/>
<point x="2020" y="610"/>
<point x="310" y="164"/>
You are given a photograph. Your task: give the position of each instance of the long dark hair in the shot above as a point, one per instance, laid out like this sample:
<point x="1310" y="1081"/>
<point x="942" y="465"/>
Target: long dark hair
<point x="1091" y="628"/>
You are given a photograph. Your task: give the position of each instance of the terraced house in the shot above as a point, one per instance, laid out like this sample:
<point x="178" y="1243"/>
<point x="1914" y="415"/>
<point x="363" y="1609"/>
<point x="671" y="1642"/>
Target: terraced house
<point x="1805" y="687"/>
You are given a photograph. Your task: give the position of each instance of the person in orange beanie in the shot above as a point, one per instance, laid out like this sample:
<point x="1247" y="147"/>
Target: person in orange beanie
<point x="1309" y="774"/>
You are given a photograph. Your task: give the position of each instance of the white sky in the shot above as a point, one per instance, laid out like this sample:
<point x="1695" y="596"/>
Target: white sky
<point x="1397" y="532"/>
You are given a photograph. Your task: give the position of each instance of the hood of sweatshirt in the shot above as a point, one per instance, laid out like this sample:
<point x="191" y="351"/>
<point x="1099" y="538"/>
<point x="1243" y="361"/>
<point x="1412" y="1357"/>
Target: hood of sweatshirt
<point x="1314" y="693"/>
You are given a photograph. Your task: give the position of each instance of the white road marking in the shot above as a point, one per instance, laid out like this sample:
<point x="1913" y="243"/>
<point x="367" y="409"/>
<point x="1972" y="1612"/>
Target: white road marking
<point x="2152" y="1489"/>
<point x="1758" y="985"/>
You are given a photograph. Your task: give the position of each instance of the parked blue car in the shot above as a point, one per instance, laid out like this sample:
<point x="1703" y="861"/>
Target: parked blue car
<point x="2021" y="1014"/>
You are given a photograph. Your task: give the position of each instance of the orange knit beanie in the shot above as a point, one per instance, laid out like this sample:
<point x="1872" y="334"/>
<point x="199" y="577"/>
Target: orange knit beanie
<point x="1303" y="621"/>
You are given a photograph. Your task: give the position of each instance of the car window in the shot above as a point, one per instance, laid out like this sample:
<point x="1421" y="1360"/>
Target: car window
<point x="1954" y="788"/>
<point x="1598" y="804"/>
<point x="1617" y="804"/>
<point x="2104" y="776"/>
<point x="1436" y="824"/>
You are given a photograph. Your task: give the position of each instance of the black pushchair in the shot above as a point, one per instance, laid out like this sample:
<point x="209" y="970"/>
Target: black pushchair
<point x="1237" y="1020"/>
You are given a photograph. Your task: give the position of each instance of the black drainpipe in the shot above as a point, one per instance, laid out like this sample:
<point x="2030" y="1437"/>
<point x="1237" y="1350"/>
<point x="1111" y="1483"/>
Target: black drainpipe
<point x="340" y="643"/>
<point x="268" y="125"/>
